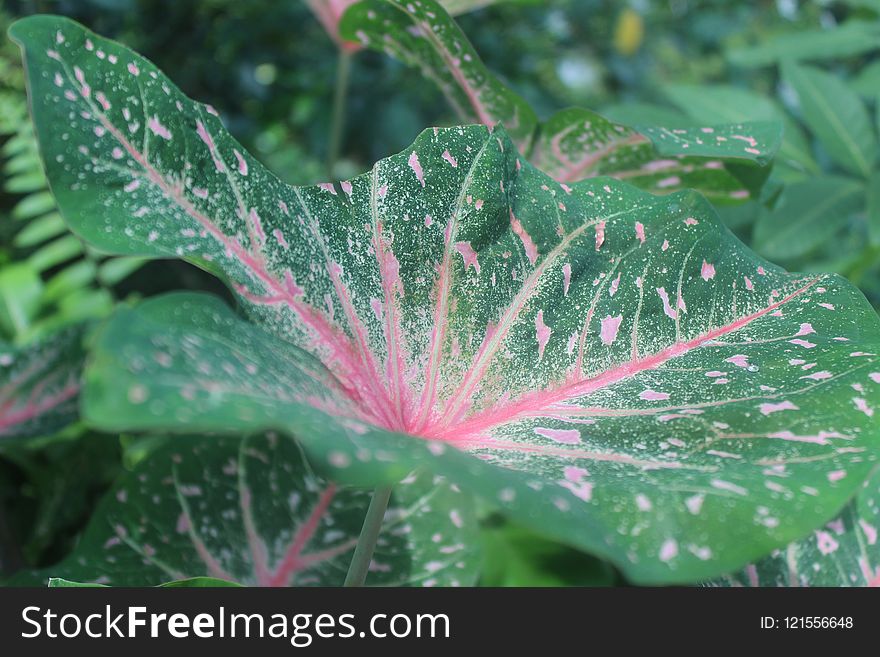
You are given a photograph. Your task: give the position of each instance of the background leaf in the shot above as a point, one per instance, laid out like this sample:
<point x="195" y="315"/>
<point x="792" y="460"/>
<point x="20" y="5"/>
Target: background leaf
<point x="806" y="215"/>
<point x="836" y="116"/>
<point x="852" y="38"/>
<point x="251" y="511"/>
<point x="424" y="35"/>
<point x="39" y="385"/>
<point x="844" y="552"/>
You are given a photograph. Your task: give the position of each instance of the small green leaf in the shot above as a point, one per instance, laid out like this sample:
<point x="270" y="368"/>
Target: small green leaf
<point x="21" y="289"/>
<point x="189" y="583"/>
<point x="836" y="115"/>
<point x="61" y="583"/>
<point x="251" y="511"/>
<point x="806" y="215"/>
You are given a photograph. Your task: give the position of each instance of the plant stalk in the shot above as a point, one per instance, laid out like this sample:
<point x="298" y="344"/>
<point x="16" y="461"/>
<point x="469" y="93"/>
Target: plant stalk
<point x="340" y="95"/>
<point x="363" y="553"/>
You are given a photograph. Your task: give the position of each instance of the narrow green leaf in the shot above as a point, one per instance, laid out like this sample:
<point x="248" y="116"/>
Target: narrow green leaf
<point x="854" y="37"/>
<point x="250" y="511"/>
<point x="609" y="367"/>
<point x="34" y="205"/>
<point x="867" y="81"/>
<point x="806" y="215"/>
<point x="55" y="252"/>
<point x="873" y="192"/>
<point x="20" y="292"/>
<point x="40" y="230"/>
<point x="836" y="115"/>
<point x="114" y="270"/>
<point x="39" y="385"/>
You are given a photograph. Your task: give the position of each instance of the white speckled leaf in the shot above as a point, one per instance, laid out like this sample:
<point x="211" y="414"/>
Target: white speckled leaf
<point x="251" y="511"/>
<point x="845" y="552"/>
<point x="421" y="34"/>
<point x="721" y="161"/>
<point x="39" y="384"/>
<point x="574" y="143"/>
<point x="630" y="377"/>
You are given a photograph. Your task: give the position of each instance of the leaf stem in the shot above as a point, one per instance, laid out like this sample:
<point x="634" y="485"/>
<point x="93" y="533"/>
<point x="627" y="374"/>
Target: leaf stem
<point x="363" y="553"/>
<point x="340" y="94"/>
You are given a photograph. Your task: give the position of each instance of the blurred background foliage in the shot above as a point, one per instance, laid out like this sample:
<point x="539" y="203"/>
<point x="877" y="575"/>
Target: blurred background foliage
<point x="270" y="69"/>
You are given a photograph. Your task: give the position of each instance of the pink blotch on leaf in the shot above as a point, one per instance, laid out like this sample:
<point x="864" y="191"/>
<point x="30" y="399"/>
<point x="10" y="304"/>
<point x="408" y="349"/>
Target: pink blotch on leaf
<point x="416" y="166"/>
<point x="448" y="157"/>
<point x="640" y="231"/>
<point x="653" y="395"/>
<point x="468" y="255"/>
<point x="610" y="327"/>
<point x="542" y="333"/>
<point x="563" y="436"/>
<point x="707" y="271"/>
<point x="770" y="407"/>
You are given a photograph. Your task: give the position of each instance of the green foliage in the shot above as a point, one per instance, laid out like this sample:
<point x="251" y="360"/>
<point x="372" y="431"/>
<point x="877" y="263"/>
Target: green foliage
<point x="53" y="280"/>
<point x="700" y="301"/>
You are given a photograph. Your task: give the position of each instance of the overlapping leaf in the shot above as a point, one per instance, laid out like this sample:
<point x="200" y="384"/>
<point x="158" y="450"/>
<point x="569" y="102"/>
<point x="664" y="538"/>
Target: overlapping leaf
<point x="251" y="511"/>
<point x="575" y="143"/>
<point x="630" y="378"/>
<point x="423" y="35"/>
<point x="845" y="552"/>
<point x="39" y="384"/>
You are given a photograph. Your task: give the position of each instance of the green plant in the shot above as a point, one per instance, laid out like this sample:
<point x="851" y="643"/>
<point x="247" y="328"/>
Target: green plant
<point x="608" y="367"/>
<point x="48" y="278"/>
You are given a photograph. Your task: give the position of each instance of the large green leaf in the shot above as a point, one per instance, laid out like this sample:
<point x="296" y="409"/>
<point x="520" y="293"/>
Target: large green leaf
<point x="39" y="384"/>
<point x="251" y="511"/>
<point x="609" y="367"/>
<point x="423" y="35"/>
<point x="852" y="38"/>
<point x="576" y="143"/>
<point x="836" y="115"/>
<point x="808" y="214"/>
<point x="845" y="552"/>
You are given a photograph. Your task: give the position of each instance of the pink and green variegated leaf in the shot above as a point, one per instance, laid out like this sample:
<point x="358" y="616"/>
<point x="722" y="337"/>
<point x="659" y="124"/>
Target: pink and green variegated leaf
<point x="251" y="511"/>
<point x="844" y="552"/>
<point x="720" y="161"/>
<point x="610" y="367"/>
<point x="421" y="34"/>
<point x="39" y="385"/>
<point x="330" y="12"/>
<point x="575" y="143"/>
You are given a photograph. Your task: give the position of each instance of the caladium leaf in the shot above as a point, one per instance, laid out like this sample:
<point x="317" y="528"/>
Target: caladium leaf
<point x="576" y="143"/>
<point x="630" y="378"/>
<point x="330" y="12"/>
<point x="39" y="384"/>
<point x="423" y="35"/>
<point x="251" y="511"/>
<point x="845" y="552"/>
